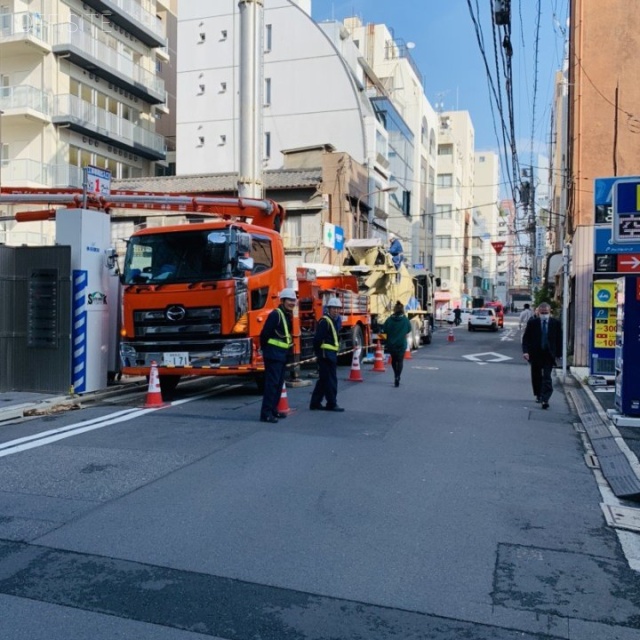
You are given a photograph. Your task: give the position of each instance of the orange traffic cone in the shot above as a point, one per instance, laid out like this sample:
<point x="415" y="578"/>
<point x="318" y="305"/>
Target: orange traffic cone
<point x="378" y="361"/>
<point x="355" y="375"/>
<point x="451" y="337"/>
<point x="407" y="353"/>
<point x="154" y="395"/>
<point x="283" y="404"/>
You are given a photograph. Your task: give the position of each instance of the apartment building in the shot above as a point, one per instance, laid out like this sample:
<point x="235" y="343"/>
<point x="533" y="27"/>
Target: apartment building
<point x="78" y="87"/>
<point x="488" y="268"/>
<point x="412" y="124"/>
<point x="360" y="108"/>
<point x="453" y="208"/>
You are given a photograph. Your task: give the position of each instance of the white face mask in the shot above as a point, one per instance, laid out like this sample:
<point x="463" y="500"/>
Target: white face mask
<point x="544" y="316"/>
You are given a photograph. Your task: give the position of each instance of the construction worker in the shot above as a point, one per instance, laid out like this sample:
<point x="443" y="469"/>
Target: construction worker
<point x="325" y="345"/>
<point x="276" y="344"/>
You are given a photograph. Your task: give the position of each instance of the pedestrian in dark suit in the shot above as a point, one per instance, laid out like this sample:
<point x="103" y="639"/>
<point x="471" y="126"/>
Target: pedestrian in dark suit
<point x="541" y="345"/>
<point x="276" y="344"/>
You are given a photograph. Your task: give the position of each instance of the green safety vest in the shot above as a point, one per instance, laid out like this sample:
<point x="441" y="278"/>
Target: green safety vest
<point x="280" y="343"/>
<point x="331" y="347"/>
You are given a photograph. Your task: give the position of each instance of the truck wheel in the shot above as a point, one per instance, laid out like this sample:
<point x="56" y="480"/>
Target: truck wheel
<point x="168" y="384"/>
<point x="259" y="380"/>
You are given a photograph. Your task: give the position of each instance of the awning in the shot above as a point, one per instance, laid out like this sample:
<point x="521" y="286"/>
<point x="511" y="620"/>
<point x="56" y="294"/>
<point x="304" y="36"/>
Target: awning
<point x="442" y="296"/>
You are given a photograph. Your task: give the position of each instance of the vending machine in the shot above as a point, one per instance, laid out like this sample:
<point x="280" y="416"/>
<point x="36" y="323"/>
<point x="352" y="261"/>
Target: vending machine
<point x="627" y="349"/>
<point x="603" y="329"/>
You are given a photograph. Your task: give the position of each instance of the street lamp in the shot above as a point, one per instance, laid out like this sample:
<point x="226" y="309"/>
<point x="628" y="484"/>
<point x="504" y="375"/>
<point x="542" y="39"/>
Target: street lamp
<point x="366" y="196"/>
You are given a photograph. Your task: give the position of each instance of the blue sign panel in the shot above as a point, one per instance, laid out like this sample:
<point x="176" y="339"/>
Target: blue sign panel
<point x="603" y="243"/>
<point x="626" y="211"/>
<point x="338" y="239"/>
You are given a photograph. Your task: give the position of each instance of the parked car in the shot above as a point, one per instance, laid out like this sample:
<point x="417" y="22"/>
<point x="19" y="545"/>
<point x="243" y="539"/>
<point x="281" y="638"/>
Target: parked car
<point x="483" y="319"/>
<point x="464" y="316"/>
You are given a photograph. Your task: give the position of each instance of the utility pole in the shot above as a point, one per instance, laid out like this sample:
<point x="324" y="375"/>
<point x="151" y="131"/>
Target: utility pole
<point x="250" y="183"/>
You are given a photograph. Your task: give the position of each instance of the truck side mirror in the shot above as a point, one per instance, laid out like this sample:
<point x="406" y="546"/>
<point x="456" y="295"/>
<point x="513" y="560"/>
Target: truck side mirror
<point x="438" y="282"/>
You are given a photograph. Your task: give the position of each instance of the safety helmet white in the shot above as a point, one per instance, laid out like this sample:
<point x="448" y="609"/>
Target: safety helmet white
<point x="287" y="294"/>
<point x="334" y="302"/>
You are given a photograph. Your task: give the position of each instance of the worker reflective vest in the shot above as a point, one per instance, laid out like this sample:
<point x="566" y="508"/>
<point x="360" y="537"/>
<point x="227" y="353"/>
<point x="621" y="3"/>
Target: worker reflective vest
<point x="331" y="347"/>
<point x="280" y="343"/>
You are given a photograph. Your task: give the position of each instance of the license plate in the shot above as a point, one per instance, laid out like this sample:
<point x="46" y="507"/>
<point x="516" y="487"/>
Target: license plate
<point x="176" y="358"/>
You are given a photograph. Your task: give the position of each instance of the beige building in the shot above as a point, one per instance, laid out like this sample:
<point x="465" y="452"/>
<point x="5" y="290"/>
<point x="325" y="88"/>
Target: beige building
<point x="488" y="268"/>
<point x="603" y="128"/>
<point x="78" y="86"/>
<point x="453" y="211"/>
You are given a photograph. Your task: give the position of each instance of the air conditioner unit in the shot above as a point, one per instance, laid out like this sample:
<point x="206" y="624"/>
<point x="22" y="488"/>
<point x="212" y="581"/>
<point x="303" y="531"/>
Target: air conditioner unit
<point x="444" y="285"/>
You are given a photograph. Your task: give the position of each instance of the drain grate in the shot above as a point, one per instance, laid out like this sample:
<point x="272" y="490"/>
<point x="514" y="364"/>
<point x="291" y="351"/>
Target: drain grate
<point x="622" y="517"/>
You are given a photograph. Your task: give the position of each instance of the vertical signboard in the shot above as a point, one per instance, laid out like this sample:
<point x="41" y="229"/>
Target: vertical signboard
<point x="627" y="352"/>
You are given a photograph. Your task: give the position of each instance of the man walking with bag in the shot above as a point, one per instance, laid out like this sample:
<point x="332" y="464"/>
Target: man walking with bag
<point x="541" y="345"/>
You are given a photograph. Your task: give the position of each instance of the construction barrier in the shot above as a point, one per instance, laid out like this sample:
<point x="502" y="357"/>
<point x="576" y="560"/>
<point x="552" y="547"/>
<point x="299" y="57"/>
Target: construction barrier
<point x="355" y="375"/>
<point x="283" y="404"/>
<point x="154" y="395"/>
<point x="378" y="361"/>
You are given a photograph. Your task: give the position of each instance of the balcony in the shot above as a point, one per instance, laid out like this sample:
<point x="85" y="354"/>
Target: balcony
<point x="31" y="173"/>
<point x="25" y="102"/>
<point x="90" y="120"/>
<point x="23" y="33"/>
<point x="88" y="53"/>
<point x="132" y="17"/>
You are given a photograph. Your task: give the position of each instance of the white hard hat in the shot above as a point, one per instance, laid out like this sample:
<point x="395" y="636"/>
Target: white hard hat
<point x="287" y="294"/>
<point x="334" y="302"/>
<point x="392" y="236"/>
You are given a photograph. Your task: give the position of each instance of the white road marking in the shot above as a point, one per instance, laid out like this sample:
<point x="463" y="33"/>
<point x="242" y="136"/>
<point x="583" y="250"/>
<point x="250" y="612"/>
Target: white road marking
<point x="53" y="435"/>
<point x="478" y="357"/>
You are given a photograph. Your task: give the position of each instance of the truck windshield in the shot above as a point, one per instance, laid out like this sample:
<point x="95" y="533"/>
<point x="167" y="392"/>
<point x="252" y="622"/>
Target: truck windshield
<point x="185" y="256"/>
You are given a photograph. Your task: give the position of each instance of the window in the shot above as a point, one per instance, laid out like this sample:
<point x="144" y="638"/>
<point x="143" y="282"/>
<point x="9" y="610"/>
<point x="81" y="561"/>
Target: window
<point x="445" y="150"/>
<point x="443" y="242"/>
<point x="267" y="91"/>
<point x="267" y="144"/>
<point x="444" y="273"/>
<point x="268" y="37"/>
<point x="443" y="211"/>
<point x="444" y="180"/>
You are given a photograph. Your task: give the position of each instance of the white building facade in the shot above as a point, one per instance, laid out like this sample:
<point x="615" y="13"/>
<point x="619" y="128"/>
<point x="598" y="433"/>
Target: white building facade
<point x="323" y="84"/>
<point x="492" y="282"/>
<point x="453" y="209"/>
<point x="78" y="87"/>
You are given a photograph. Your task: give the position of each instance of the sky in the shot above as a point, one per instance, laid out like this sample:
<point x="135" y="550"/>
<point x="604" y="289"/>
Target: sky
<point x="448" y="55"/>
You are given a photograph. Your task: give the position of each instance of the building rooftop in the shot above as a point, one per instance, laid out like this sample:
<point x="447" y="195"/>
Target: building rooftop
<point x="220" y="182"/>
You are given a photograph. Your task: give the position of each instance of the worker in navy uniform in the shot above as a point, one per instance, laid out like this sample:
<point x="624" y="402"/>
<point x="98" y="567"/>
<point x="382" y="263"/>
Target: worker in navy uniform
<point x="541" y="345"/>
<point x="276" y="344"/>
<point x="325" y="345"/>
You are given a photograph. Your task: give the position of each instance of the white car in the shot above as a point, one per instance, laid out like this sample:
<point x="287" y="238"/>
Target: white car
<point x="483" y="319"/>
<point x="464" y="316"/>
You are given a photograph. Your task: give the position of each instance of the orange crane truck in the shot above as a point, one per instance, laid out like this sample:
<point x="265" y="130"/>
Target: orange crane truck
<point x="313" y="293"/>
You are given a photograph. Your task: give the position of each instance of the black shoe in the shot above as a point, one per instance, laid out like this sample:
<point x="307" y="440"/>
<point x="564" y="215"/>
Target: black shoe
<point x="315" y="407"/>
<point x="538" y="399"/>
<point x="271" y="419"/>
<point x="397" y="382"/>
<point x="336" y="408"/>
<point x="545" y="405"/>
<point x="280" y="414"/>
